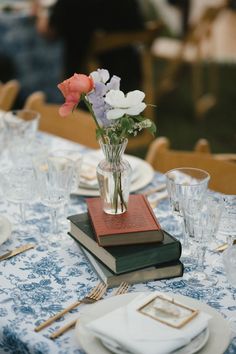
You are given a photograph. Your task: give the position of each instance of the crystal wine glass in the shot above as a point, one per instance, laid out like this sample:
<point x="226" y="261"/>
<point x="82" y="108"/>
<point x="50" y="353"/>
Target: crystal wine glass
<point x="229" y="261"/>
<point x="20" y="130"/>
<point x="19" y="186"/>
<point x="54" y="176"/>
<point x="186" y="189"/>
<point x="204" y="226"/>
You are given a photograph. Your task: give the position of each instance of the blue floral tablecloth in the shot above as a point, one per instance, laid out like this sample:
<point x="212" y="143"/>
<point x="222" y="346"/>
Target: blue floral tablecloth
<point x="40" y="282"/>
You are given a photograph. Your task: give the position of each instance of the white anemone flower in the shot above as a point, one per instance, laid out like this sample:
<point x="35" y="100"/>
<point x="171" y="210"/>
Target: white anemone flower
<point x="131" y="104"/>
<point x="101" y="75"/>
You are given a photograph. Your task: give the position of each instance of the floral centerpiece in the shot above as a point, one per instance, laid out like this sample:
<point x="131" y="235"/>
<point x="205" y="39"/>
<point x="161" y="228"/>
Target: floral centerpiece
<point x="117" y="116"/>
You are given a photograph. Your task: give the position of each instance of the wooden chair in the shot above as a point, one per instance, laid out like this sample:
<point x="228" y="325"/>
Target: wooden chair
<point x="223" y="173"/>
<point x="143" y="39"/>
<point x="195" y="49"/>
<point x="78" y="126"/>
<point x="8" y="94"/>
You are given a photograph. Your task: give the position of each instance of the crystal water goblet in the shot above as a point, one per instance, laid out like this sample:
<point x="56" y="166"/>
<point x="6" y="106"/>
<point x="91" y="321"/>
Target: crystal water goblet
<point x="229" y="261"/>
<point x="54" y="176"/>
<point x="228" y="224"/>
<point x="204" y="226"/>
<point x="186" y="189"/>
<point x="77" y="159"/>
<point x="19" y="186"/>
<point x="20" y="130"/>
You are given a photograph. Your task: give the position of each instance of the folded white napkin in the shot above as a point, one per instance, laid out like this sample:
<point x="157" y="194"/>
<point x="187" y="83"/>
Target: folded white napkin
<point x="128" y="331"/>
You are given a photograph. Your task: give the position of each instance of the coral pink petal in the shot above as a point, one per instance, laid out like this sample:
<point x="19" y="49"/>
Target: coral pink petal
<point x="66" y="109"/>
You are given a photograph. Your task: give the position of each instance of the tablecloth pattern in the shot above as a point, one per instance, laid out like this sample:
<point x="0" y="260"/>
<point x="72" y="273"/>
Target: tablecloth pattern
<point x="38" y="283"/>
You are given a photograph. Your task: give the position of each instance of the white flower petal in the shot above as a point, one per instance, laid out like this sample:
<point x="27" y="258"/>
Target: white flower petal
<point x="134" y="97"/>
<point x="101" y="75"/>
<point x="115" y="98"/>
<point x="135" y="110"/>
<point x="95" y="76"/>
<point x="104" y="75"/>
<point x="115" y="113"/>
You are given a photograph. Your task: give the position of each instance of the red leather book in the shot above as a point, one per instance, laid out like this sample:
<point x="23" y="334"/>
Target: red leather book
<point x="137" y="225"/>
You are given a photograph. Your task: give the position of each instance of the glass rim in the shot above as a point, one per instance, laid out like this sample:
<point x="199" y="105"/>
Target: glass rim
<point x="16" y="111"/>
<point x="207" y="178"/>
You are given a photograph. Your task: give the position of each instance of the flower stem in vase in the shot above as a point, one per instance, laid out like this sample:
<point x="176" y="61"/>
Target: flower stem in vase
<point x="114" y="178"/>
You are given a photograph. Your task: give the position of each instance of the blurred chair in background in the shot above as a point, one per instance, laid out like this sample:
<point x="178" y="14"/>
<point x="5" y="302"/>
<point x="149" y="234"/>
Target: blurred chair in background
<point x="78" y="126"/>
<point x="76" y="21"/>
<point x="196" y="48"/>
<point x="8" y="94"/>
<point x="163" y="159"/>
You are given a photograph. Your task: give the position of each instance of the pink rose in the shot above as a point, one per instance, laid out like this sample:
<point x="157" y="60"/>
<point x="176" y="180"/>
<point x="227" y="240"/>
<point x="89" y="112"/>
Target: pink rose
<point x="72" y="89"/>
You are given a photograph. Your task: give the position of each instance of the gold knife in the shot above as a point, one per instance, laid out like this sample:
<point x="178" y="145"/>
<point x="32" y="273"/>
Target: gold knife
<point x="223" y="247"/>
<point x="16" y="251"/>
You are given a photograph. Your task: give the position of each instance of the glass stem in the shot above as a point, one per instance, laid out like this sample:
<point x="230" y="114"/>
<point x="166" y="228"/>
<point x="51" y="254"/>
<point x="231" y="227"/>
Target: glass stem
<point x="201" y="259"/>
<point x="182" y="221"/>
<point x="22" y="212"/>
<point x="54" y="220"/>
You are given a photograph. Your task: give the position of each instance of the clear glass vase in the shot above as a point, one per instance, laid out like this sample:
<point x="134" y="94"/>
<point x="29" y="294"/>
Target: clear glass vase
<point x="114" y="175"/>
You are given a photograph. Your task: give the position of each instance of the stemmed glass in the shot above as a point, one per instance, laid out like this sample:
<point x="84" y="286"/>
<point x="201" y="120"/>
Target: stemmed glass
<point x="19" y="186"/>
<point x="228" y="224"/>
<point x="186" y="189"/>
<point x="229" y="261"/>
<point x="54" y="176"/>
<point x="204" y="226"/>
<point x="20" y="130"/>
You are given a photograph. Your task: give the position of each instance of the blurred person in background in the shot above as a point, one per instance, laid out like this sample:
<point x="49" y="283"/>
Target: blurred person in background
<point x="75" y="22"/>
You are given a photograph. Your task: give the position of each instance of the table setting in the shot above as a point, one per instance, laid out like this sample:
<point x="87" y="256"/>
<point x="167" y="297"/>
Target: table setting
<point x="51" y="298"/>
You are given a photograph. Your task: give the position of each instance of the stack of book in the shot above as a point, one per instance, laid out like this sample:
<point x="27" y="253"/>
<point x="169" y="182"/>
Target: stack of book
<point x="129" y="247"/>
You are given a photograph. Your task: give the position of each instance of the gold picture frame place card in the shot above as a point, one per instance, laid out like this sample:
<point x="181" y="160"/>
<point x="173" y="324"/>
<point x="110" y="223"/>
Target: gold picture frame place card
<point x="168" y="311"/>
<point x="16" y="251"/>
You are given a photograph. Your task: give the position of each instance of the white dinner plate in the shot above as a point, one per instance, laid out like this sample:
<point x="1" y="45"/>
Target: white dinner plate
<point x="5" y="229"/>
<point x="142" y="175"/>
<point x="214" y="341"/>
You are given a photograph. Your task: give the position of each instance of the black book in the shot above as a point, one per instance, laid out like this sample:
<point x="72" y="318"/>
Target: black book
<point x="163" y="271"/>
<point x="121" y="259"/>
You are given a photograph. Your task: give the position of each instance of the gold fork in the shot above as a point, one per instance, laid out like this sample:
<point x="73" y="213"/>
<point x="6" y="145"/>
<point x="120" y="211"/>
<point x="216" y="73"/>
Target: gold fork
<point x="123" y="288"/>
<point x="94" y="291"/>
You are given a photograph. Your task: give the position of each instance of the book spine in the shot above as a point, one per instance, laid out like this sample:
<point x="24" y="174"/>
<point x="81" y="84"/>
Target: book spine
<point x="167" y="253"/>
<point x="91" y="221"/>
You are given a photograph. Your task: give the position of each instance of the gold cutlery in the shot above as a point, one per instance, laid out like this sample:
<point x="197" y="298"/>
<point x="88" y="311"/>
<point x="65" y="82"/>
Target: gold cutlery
<point x="16" y="251"/>
<point x="223" y="247"/>
<point x="123" y="288"/>
<point x="99" y="288"/>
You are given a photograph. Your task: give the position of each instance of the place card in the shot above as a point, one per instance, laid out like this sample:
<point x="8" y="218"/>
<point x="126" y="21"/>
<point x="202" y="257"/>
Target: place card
<point x="168" y="311"/>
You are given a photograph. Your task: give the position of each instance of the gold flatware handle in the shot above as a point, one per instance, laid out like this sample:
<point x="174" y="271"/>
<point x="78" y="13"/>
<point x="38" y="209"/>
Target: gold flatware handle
<point x="87" y="299"/>
<point x="57" y="316"/>
<point x="16" y="251"/>
<point x="63" y="329"/>
<point x="122" y="289"/>
<point x="223" y="247"/>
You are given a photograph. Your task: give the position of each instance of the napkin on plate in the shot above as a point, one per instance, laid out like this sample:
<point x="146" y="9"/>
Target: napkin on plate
<point x="125" y="329"/>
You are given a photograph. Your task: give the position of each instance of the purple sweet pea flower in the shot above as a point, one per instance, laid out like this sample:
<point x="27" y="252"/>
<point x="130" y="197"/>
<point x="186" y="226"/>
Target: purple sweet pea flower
<point x="97" y="99"/>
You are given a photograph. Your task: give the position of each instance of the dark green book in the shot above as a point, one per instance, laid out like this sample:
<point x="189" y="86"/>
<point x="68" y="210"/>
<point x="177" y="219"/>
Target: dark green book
<point x="121" y="259"/>
<point x="163" y="271"/>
